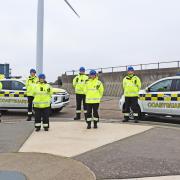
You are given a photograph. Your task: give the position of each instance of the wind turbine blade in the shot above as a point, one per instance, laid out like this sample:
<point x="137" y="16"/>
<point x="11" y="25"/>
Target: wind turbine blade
<point x="71" y="8"/>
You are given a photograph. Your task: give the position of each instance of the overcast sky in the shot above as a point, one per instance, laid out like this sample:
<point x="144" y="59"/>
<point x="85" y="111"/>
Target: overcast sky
<point x="109" y="33"/>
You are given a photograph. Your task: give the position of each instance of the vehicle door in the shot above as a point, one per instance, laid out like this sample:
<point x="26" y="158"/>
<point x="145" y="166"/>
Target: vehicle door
<point x="157" y="97"/>
<point x="19" y="93"/>
<point x="12" y="95"/>
<point x="175" y="97"/>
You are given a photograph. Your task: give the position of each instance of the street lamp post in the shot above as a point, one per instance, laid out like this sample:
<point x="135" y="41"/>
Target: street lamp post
<point x="40" y="34"/>
<point x="40" y="37"/>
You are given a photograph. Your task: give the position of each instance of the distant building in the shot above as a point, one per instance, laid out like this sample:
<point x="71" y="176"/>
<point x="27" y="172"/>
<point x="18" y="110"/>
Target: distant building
<point x="5" y="69"/>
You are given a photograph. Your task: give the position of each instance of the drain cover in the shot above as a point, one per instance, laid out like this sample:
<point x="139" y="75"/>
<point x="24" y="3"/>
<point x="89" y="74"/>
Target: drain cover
<point x="11" y="175"/>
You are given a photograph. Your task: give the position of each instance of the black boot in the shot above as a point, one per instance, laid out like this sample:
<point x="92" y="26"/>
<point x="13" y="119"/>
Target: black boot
<point x="89" y="125"/>
<point x="78" y="116"/>
<point x="95" y="125"/>
<point x="126" y="119"/>
<point x="29" y="118"/>
<point x="46" y="129"/>
<point x="38" y="129"/>
<point x="85" y="116"/>
<point x="136" y="120"/>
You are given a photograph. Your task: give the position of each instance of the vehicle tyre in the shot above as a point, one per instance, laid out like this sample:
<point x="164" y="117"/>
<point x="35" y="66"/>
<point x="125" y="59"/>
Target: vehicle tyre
<point x="4" y="111"/>
<point x="56" y="110"/>
<point x="142" y="116"/>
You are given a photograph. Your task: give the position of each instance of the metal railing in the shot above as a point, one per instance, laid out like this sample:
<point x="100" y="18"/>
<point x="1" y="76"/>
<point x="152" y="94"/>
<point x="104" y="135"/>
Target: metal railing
<point x="158" y="65"/>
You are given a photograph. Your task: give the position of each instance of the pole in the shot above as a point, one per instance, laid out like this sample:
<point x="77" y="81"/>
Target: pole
<point x="40" y="37"/>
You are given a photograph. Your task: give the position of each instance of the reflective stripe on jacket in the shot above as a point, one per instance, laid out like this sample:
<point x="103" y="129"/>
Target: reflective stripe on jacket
<point x="94" y="91"/>
<point x="131" y="86"/>
<point x="79" y="83"/>
<point x="30" y="84"/>
<point x="42" y="95"/>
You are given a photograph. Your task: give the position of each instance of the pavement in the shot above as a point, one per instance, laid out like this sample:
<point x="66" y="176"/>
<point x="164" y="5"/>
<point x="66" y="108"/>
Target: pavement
<point x="152" y="153"/>
<point x="37" y="166"/>
<point x="13" y="135"/>
<point x="148" y="150"/>
<point x="72" y="138"/>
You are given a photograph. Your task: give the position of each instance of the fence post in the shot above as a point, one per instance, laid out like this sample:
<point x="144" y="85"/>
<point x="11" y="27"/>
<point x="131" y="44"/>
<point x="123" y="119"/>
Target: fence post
<point x="178" y="64"/>
<point x="112" y="69"/>
<point x="141" y="67"/>
<point x="73" y="72"/>
<point x="158" y="65"/>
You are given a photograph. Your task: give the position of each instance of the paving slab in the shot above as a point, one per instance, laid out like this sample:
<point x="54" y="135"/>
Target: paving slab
<point x="72" y="138"/>
<point x="37" y="166"/>
<point x="153" y="153"/>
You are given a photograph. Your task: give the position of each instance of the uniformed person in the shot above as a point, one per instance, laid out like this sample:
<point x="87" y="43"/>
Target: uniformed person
<point x="42" y="101"/>
<point x="131" y="86"/>
<point x="30" y="83"/>
<point x="79" y="83"/>
<point x="94" y="91"/>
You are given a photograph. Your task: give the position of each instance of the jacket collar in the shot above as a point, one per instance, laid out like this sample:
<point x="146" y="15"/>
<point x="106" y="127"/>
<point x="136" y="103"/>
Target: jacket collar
<point x="130" y="77"/>
<point x="32" y="77"/>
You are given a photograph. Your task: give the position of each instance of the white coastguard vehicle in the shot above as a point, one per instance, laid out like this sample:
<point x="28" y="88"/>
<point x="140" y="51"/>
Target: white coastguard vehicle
<point x="161" y="98"/>
<point x="13" y="96"/>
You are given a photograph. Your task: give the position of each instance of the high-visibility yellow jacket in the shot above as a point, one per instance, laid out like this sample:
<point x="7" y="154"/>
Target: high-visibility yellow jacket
<point x="42" y="95"/>
<point x="30" y="84"/>
<point x="79" y="83"/>
<point x="2" y="76"/>
<point x="94" y="91"/>
<point x="131" y="86"/>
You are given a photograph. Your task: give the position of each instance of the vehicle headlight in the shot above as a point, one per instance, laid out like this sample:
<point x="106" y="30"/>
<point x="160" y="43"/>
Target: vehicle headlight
<point x="62" y="93"/>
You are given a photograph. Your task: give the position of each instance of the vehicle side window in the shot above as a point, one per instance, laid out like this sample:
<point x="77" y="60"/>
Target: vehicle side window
<point x="162" y="86"/>
<point x="177" y="85"/>
<point x="16" y="85"/>
<point x="6" y="85"/>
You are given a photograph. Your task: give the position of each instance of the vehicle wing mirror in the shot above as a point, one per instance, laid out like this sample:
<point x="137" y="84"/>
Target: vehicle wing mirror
<point x="24" y="88"/>
<point x="148" y="89"/>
